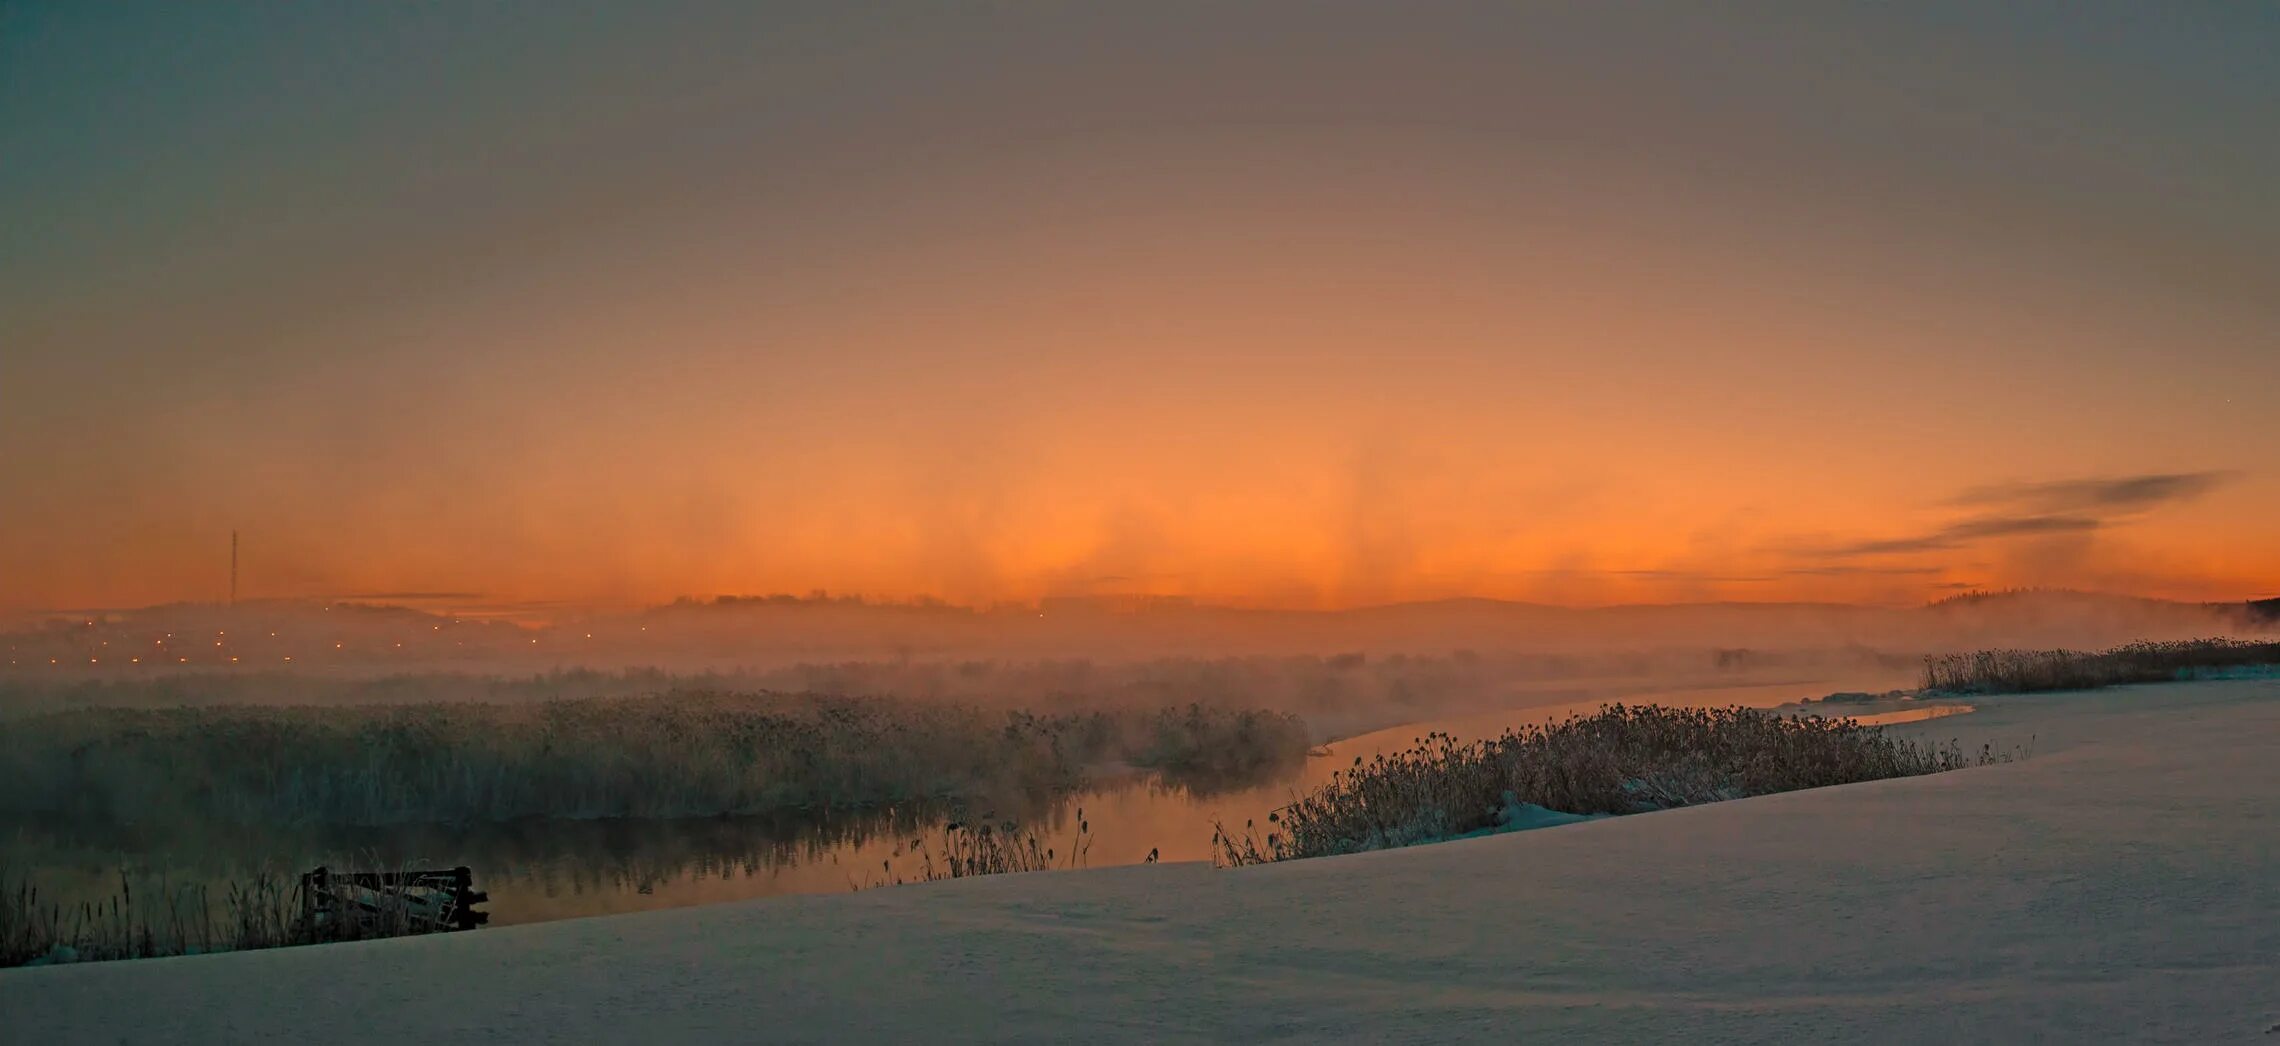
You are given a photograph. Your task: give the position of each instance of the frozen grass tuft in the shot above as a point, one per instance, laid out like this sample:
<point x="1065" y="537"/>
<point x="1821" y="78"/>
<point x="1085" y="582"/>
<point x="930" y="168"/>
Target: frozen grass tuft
<point x="1620" y="760"/>
<point x="2024" y="671"/>
<point x="964" y="849"/>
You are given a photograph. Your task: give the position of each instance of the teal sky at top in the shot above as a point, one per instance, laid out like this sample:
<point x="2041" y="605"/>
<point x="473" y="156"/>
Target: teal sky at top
<point x="162" y="152"/>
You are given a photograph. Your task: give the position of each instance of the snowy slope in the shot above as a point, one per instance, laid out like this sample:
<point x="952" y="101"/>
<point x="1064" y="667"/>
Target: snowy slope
<point x="2123" y="885"/>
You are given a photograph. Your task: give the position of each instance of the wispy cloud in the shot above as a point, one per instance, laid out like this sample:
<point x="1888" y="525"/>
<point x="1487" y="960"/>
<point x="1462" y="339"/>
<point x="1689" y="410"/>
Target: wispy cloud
<point x="2011" y="510"/>
<point x="1970" y="530"/>
<point x="2116" y="494"/>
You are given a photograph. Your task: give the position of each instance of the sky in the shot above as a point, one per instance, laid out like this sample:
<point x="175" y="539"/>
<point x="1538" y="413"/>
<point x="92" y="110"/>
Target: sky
<point x="1300" y="305"/>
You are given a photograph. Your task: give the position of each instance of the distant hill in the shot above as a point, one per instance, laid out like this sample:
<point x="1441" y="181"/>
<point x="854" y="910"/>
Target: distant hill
<point x="353" y="638"/>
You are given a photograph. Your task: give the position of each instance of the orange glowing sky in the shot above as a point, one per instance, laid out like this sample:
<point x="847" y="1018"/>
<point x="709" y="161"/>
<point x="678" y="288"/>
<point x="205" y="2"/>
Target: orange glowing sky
<point x="1303" y="305"/>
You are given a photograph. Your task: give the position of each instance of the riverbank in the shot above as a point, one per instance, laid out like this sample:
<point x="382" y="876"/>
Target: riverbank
<point x="2116" y="885"/>
<point x="552" y="868"/>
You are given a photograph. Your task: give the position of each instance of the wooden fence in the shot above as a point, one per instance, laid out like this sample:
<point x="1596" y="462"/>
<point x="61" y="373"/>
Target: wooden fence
<point x="338" y="905"/>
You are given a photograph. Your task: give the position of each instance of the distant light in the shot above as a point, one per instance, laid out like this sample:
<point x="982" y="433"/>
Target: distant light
<point x="182" y="659"/>
<point x="288" y="657"/>
<point x="336" y="646"/>
<point x="92" y="661"/>
<point x="134" y="660"/>
<point x="233" y="660"/>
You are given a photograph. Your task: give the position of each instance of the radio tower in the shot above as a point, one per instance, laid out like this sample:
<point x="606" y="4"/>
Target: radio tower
<point x="233" y="568"/>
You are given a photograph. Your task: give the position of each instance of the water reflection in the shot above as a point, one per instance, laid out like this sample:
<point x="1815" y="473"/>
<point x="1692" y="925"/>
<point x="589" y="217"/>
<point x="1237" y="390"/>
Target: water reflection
<point x="1910" y="715"/>
<point x="553" y="869"/>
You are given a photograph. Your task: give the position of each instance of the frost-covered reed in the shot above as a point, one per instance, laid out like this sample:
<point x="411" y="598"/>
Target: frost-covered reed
<point x="1623" y="759"/>
<point x="2023" y="671"/>
<point x="966" y="848"/>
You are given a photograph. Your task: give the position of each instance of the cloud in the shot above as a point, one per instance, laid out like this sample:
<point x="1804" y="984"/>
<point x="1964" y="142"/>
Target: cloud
<point x="1970" y="530"/>
<point x="2096" y="496"/>
<point x="2071" y="506"/>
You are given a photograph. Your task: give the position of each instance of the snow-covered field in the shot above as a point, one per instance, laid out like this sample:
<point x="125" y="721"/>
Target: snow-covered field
<point x="2121" y="885"/>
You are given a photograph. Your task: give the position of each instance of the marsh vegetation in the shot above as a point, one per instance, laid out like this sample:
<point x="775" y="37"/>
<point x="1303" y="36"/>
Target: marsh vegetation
<point x="2027" y="671"/>
<point x="149" y="916"/>
<point x="964" y="849"/>
<point x="1622" y="759"/>
<point x="675" y="755"/>
<point x="130" y="829"/>
<point x="593" y="804"/>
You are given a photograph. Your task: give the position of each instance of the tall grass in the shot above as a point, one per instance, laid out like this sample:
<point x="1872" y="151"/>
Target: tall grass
<point x="964" y="849"/>
<point x="1620" y="760"/>
<point x="677" y="755"/>
<point x="2024" y="671"/>
<point x="263" y="908"/>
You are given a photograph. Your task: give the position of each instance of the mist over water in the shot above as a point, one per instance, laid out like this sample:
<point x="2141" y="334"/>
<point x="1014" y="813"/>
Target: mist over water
<point x="1020" y="652"/>
<point x="1343" y="672"/>
<point x="1363" y="681"/>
